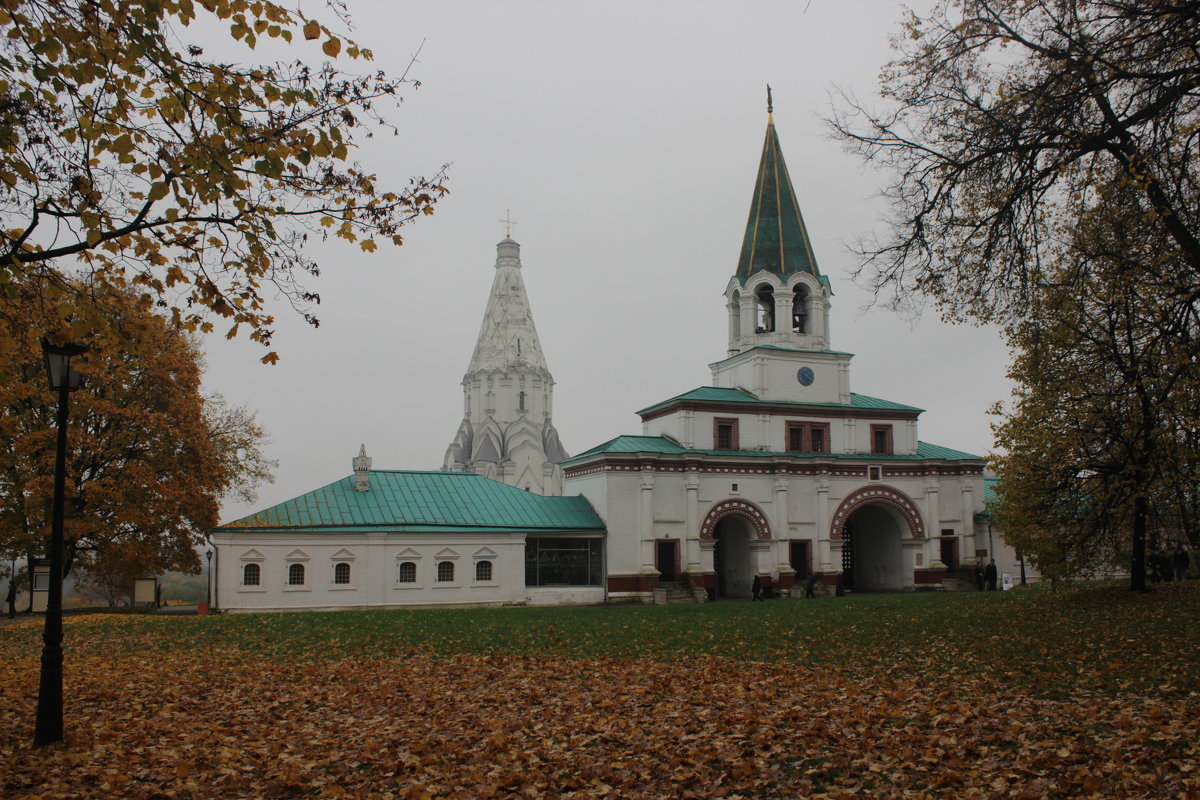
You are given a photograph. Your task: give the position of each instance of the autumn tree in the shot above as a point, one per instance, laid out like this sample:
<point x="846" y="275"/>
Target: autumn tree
<point x="149" y="458"/>
<point x="130" y="158"/>
<point x="1099" y="448"/>
<point x="1044" y="156"/>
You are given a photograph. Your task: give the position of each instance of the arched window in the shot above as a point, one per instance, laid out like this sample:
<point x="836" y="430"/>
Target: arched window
<point x="800" y="309"/>
<point x="483" y="570"/>
<point x="765" y="296"/>
<point x="251" y="575"/>
<point x="445" y="572"/>
<point x="295" y="575"/>
<point x="341" y="573"/>
<point x="521" y="401"/>
<point x="408" y="572"/>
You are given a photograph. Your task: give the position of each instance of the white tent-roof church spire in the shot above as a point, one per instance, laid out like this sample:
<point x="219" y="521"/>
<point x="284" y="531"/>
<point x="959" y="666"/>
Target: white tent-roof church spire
<point x="506" y="432"/>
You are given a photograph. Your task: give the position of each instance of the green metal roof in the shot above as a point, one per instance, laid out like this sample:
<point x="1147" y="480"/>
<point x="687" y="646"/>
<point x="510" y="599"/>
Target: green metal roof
<point x="776" y="239"/>
<point x="717" y="394"/>
<point x="660" y="445"/>
<point x="423" y="501"/>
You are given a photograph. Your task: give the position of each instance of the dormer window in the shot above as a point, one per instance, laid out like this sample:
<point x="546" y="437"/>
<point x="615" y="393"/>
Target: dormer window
<point x="765" y="296"/>
<point x="881" y="439"/>
<point x="725" y="433"/>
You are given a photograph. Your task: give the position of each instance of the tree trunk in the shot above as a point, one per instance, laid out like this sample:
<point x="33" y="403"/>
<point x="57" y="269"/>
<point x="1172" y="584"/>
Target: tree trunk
<point x="1137" y="566"/>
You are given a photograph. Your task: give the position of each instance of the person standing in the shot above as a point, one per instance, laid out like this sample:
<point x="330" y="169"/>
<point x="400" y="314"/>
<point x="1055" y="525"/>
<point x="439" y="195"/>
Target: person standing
<point x="990" y="574"/>
<point x="810" y="588"/>
<point x="756" y="588"/>
<point x="11" y="597"/>
<point x="1179" y="562"/>
<point x="979" y="575"/>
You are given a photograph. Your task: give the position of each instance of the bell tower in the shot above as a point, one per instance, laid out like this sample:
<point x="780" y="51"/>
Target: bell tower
<point x="777" y="296"/>
<point x="778" y="300"/>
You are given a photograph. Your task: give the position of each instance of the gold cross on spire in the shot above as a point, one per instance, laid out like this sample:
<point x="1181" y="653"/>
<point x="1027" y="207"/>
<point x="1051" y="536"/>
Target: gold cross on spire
<point x="508" y="223"/>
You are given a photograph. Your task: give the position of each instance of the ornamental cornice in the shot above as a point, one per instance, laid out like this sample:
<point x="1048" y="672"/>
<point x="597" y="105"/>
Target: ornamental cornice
<point x="885" y="495"/>
<point x="741" y="508"/>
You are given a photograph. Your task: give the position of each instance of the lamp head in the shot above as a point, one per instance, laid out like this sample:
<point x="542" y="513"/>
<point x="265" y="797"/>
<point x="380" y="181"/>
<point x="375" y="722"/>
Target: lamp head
<point x="58" y="365"/>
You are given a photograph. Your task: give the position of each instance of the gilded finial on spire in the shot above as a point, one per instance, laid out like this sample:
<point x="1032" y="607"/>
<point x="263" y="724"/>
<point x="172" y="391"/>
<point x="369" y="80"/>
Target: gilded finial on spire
<point x="508" y="223"/>
<point x="770" y="104"/>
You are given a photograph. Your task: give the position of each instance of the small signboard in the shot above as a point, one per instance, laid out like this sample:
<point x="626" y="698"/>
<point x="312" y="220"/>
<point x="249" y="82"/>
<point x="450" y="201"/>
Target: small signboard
<point x="40" y="569"/>
<point x="145" y="591"/>
<point x="1006" y="581"/>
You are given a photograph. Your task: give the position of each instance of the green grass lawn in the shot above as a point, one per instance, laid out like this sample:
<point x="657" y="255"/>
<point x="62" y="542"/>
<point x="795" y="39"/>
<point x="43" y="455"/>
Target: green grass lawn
<point x="1092" y="637"/>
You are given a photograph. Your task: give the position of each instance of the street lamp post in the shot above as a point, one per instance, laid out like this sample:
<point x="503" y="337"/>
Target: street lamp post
<point x="64" y="380"/>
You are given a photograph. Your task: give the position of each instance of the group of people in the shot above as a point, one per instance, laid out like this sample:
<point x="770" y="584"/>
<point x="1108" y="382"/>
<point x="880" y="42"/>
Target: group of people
<point x="986" y="576"/>
<point x="1164" y="567"/>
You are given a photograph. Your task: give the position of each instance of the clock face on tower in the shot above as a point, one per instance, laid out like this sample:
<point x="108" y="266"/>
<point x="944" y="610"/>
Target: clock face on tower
<point x="805" y="376"/>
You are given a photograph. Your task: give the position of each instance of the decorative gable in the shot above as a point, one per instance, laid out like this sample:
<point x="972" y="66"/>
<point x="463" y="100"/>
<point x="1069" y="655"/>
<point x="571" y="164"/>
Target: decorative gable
<point x="297" y="555"/>
<point x="408" y="553"/>
<point x="446" y="552"/>
<point x="486" y="552"/>
<point x="253" y="555"/>
<point x="342" y="555"/>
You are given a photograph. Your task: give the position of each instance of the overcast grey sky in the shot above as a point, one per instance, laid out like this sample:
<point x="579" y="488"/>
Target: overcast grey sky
<point x="624" y="137"/>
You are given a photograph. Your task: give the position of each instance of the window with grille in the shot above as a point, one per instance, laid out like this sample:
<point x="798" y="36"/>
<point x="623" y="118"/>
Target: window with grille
<point x="341" y="573"/>
<point x="881" y="439"/>
<point x="483" y="570"/>
<point x="408" y="572"/>
<point x="725" y="433"/>
<point x="296" y="575"/>
<point x="251" y="575"/>
<point x="445" y="571"/>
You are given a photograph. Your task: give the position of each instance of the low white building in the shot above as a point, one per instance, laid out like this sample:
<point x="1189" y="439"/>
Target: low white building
<point x="392" y="538"/>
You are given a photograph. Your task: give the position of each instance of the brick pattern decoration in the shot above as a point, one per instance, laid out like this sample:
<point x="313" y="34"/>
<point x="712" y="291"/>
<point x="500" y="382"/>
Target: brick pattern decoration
<point x="742" y="508"/>
<point x="725" y="422"/>
<point x="885" y="495"/>
<point x="795" y="465"/>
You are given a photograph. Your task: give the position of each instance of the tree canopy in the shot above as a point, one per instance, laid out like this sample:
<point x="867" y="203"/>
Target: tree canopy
<point x="129" y="158"/>
<point x="1005" y="120"/>
<point x="149" y="458"/>
<point x="1044" y="159"/>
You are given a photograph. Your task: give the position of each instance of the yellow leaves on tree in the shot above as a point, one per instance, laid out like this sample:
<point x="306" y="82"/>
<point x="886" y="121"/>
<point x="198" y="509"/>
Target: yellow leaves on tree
<point x="149" y="457"/>
<point x="218" y="169"/>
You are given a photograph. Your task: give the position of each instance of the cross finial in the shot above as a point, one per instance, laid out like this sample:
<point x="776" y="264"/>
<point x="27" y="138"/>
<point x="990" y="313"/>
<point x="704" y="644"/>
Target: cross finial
<point x="770" y="105"/>
<point x="508" y="223"/>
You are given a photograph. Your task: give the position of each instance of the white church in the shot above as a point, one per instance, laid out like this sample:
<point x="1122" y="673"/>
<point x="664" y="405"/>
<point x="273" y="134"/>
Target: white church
<point x="776" y="469"/>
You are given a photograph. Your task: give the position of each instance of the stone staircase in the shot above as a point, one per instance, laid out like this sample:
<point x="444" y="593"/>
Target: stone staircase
<point x="673" y="593"/>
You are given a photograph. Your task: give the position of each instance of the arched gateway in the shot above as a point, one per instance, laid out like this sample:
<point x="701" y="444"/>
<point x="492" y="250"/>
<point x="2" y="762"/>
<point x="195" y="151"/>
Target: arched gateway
<point x="877" y="527"/>
<point x="735" y="530"/>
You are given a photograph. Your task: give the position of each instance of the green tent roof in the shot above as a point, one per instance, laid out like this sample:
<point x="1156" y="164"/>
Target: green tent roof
<point x="664" y="446"/>
<point x="717" y="394"/>
<point x="425" y="501"/>
<point x="776" y="239"/>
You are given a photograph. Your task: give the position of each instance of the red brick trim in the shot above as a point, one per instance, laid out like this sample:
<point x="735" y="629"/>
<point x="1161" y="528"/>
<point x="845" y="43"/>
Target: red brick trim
<point x="706" y="580"/>
<point x="742" y="508"/>
<point x="632" y="583"/>
<point x="928" y="576"/>
<point x="886" y="495"/>
<point x="718" y="423"/>
<point x="890" y="443"/>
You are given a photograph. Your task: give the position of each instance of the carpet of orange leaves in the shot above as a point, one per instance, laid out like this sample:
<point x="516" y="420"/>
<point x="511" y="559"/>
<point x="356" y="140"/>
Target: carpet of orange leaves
<point x="170" y="725"/>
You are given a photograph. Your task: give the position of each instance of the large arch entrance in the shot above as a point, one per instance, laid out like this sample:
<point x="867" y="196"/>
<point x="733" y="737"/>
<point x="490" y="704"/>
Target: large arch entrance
<point x="872" y="558"/>
<point x="878" y="527"/>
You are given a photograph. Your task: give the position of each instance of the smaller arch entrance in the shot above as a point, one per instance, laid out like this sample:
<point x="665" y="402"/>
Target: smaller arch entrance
<point x="733" y="527"/>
